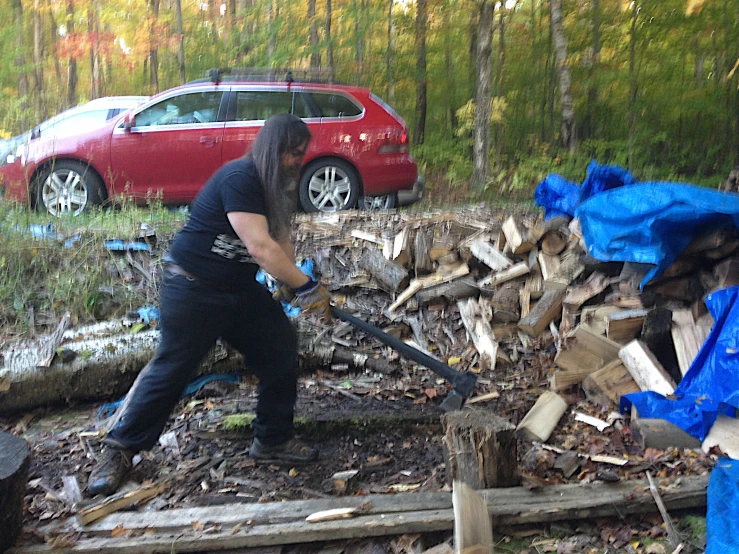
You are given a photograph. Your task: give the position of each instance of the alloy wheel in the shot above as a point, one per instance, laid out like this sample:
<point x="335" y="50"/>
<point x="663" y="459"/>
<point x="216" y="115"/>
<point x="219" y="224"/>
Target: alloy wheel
<point x="330" y="189"/>
<point x="64" y="192"/>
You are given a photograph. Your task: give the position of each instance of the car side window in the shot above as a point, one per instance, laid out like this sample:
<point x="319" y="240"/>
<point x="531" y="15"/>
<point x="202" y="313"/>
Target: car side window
<point x="258" y="105"/>
<point x="74" y="123"/>
<point x="188" y="108"/>
<point x="335" y="105"/>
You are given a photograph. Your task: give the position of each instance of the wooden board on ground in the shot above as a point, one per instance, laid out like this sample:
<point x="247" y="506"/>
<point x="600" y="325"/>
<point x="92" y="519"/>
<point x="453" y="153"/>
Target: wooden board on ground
<point x="390" y="515"/>
<point x="14" y="463"/>
<point x="608" y="384"/>
<point x="645" y="369"/>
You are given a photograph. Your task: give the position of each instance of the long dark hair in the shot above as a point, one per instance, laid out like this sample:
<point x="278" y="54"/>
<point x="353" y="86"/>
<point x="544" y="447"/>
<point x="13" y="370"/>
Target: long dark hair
<point x="281" y="133"/>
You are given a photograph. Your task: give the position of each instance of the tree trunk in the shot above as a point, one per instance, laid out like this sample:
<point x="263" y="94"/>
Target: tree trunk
<point x="72" y="63"/>
<point x="154" y="47"/>
<point x="15" y="460"/>
<point x="315" y="53"/>
<point x="632" y="82"/>
<point x="180" y="41"/>
<point x="499" y="88"/>
<point x="359" y="37"/>
<point x="418" y="135"/>
<point x="389" y="54"/>
<point x="472" y="75"/>
<point x="271" y="31"/>
<point x="55" y="51"/>
<point x="568" y="129"/>
<point x="588" y="124"/>
<point x="481" y="140"/>
<point x="329" y="45"/>
<point x="20" y="61"/>
<point x="93" y="57"/>
<point x="451" y="107"/>
<point x="38" y="60"/>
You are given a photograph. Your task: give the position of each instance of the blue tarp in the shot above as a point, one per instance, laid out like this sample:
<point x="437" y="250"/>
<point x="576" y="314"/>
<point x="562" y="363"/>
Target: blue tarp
<point x="711" y="385"/>
<point x="306" y="266"/>
<point x="652" y="222"/>
<point x="560" y="197"/>
<point x="722" y="521"/>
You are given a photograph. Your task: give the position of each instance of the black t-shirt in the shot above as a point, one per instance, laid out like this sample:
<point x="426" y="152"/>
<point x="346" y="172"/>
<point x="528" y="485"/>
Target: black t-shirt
<point x="207" y="246"/>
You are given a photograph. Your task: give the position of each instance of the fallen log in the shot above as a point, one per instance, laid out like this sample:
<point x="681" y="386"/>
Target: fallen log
<point x="14" y="463"/>
<point x="255" y="525"/>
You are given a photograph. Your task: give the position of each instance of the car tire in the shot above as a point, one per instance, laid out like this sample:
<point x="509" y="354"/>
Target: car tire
<point x="329" y="185"/>
<point x="69" y="188"/>
<point x="384" y="202"/>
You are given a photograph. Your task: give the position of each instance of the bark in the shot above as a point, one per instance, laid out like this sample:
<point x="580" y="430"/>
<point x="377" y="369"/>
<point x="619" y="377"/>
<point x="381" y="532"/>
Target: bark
<point x="588" y="124"/>
<point x="271" y="32"/>
<point x="472" y="76"/>
<point x="481" y="140"/>
<point x="153" y="47"/>
<point x="72" y="63"/>
<point x="329" y="45"/>
<point x="451" y="108"/>
<point x="181" y="41"/>
<point x="390" y="54"/>
<point x="568" y="130"/>
<point x="54" y="50"/>
<point x="93" y="71"/>
<point x="632" y="82"/>
<point x="315" y="53"/>
<point x="421" y="84"/>
<point x="499" y="85"/>
<point x="359" y="38"/>
<point x="38" y="58"/>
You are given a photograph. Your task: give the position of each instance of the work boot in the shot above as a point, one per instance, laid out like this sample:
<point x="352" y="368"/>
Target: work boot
<point x="108" y="474"/>
<point x="293" y="450"/>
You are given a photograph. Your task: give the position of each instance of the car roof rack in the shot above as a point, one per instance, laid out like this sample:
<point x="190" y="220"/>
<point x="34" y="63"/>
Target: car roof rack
<point x="268" y="74"/>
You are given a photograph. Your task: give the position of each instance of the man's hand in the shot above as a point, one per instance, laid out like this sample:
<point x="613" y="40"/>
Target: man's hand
<point x="314" y="299"/>
<point x="283" y="293"/>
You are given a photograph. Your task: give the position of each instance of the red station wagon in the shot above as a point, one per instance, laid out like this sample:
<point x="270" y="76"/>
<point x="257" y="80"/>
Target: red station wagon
<point x="168" y="147"/>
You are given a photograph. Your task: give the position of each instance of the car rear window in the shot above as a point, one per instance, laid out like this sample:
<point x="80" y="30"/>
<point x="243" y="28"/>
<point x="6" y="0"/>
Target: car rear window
<point x="261" y="104"/>
<point x="335" y="105"/>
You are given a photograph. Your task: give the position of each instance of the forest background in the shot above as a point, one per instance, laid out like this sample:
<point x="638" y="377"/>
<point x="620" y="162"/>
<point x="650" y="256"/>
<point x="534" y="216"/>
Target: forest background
<point x="496" y="94"/>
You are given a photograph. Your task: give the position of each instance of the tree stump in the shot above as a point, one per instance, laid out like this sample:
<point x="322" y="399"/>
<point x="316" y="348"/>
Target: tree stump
<point x="14" y="462"/>
<point x="480" y="448"/>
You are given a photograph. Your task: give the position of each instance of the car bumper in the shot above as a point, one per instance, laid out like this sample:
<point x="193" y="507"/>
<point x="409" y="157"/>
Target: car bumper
<point x="411" y="196"/>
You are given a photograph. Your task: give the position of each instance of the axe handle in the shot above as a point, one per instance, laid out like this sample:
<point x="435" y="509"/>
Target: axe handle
<point x="460" y="383"/>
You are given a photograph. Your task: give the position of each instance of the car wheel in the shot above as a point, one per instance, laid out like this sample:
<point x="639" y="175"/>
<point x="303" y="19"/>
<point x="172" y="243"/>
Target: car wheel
<point x="328" y="186"/>
<point x="384" y="202"/>
<point x="69" y="188"/>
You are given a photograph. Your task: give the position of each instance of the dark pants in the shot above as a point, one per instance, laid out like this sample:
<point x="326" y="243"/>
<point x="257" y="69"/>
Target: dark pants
<point x="192" y="317"/>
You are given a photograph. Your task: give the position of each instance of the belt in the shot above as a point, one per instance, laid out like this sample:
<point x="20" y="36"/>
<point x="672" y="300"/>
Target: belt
<point x="177" y="270"/>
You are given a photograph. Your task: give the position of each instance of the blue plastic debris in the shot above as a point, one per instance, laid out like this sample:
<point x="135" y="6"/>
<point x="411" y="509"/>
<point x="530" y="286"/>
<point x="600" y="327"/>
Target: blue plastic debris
<point x="652" y="223"/>
<point x="722" y="521"/>
<point x="306" y="266"/>
<point x="711" y="385"/>
<point x="147" y="314"/>
<point x="123" y="246"/>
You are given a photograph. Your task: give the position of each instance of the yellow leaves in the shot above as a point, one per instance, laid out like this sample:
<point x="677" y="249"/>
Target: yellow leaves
<point x="466" y="114"/>
<point x="694" y="6"/>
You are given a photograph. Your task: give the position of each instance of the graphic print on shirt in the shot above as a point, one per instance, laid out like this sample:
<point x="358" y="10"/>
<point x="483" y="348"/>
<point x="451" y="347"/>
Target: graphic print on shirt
<point x="231" y="248"/>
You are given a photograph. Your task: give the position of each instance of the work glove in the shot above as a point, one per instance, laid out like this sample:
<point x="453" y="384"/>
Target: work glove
<point x="283" y="293"/>
<point x="312" y="297"/>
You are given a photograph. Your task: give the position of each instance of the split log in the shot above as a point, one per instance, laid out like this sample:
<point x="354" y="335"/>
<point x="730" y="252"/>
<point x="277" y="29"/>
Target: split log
<point x="14" y="463"/>
<point x="608" y="384"/>
<point x="548" y="265"/>
<point x="625" y="326"/>
<point x="451" y="292"/>
<point x="516" y="236"/>
<point x="481" y="449"/>
<point x="390" y="276"/>
<point x="421" y="249"/>
<point x="504" y="276"/>
<point x="553" y="242"/>
<point x="478" y="327"/>
<point x="724" y="434"/>
<point x="660" y="434"/>
<point x="569" y="269"/>
<point x="426" y="282"/>
<point x="586" y="352"/>
<point x="687" y="337"/>
<point x="645" y="369"/>
<point x="685" y="289"/>
<point x="487" y="254"/>
<point x="472" y="525"/>
<point x="542" y="418"/>
<point x="593" y="318"/>
<point x="524" y="301"/>
<point x="534" y="284"/>
<point x="727" y="273"/>
<point x="543" y="313"/>
<point x="657" y="336"/>
<point x="402" y="251"/>
<point x="505" y="304"/>
<point x="593" y="286"/>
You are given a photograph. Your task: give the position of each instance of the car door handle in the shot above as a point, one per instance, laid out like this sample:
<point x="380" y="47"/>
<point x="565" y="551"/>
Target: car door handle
<point x="208" y="141"/>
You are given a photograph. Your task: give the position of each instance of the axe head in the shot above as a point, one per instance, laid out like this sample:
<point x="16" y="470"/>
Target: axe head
<point x="453" y="402"/>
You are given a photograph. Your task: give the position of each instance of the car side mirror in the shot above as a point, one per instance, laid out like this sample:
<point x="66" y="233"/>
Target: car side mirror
<point x="36" y="132"/>
<point x="129" y="122"/>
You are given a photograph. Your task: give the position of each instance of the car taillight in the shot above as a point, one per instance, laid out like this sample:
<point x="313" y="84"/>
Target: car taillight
<point x="395" y="143"/>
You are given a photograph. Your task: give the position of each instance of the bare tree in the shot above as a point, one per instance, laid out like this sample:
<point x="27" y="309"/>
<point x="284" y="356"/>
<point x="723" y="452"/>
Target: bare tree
<point x="390" y="54"/>
<point x="38" y="57"/>
<point x="315" y="53"/>
<point x="181" y="40"/>
<point x="568" y="128"/>
<point x="481" y="139"/>
<point x="420" y="72"/>
<point x="72" y="63"/>
<point x="329" y="45"/>
<point x="154" y="47"/>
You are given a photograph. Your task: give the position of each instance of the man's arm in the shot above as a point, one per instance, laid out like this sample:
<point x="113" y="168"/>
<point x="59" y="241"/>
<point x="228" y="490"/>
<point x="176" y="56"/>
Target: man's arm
<point x="253" y="230"/>
<point x="287" y="247"/>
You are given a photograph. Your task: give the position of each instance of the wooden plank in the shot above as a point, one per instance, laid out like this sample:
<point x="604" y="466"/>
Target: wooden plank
<point x="542" y="418"/>
<point x="472" y="525"/>
<point x="645" y="369"/>
<point x="625" y="326"/>
<point x="511" y="506"/>
<point x="608" y="384"/>
<point x="500" y="277"/>
<point x="543" y="313"/>
<point x="487" y="254"/>
<point x="687" y="337"/>
<point x="117" y="502"/>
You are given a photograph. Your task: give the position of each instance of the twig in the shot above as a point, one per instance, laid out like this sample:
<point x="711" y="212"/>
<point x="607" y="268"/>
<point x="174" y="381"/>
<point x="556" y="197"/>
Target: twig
<point x="672" y="534"/>
<point x="341" y="391"/>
